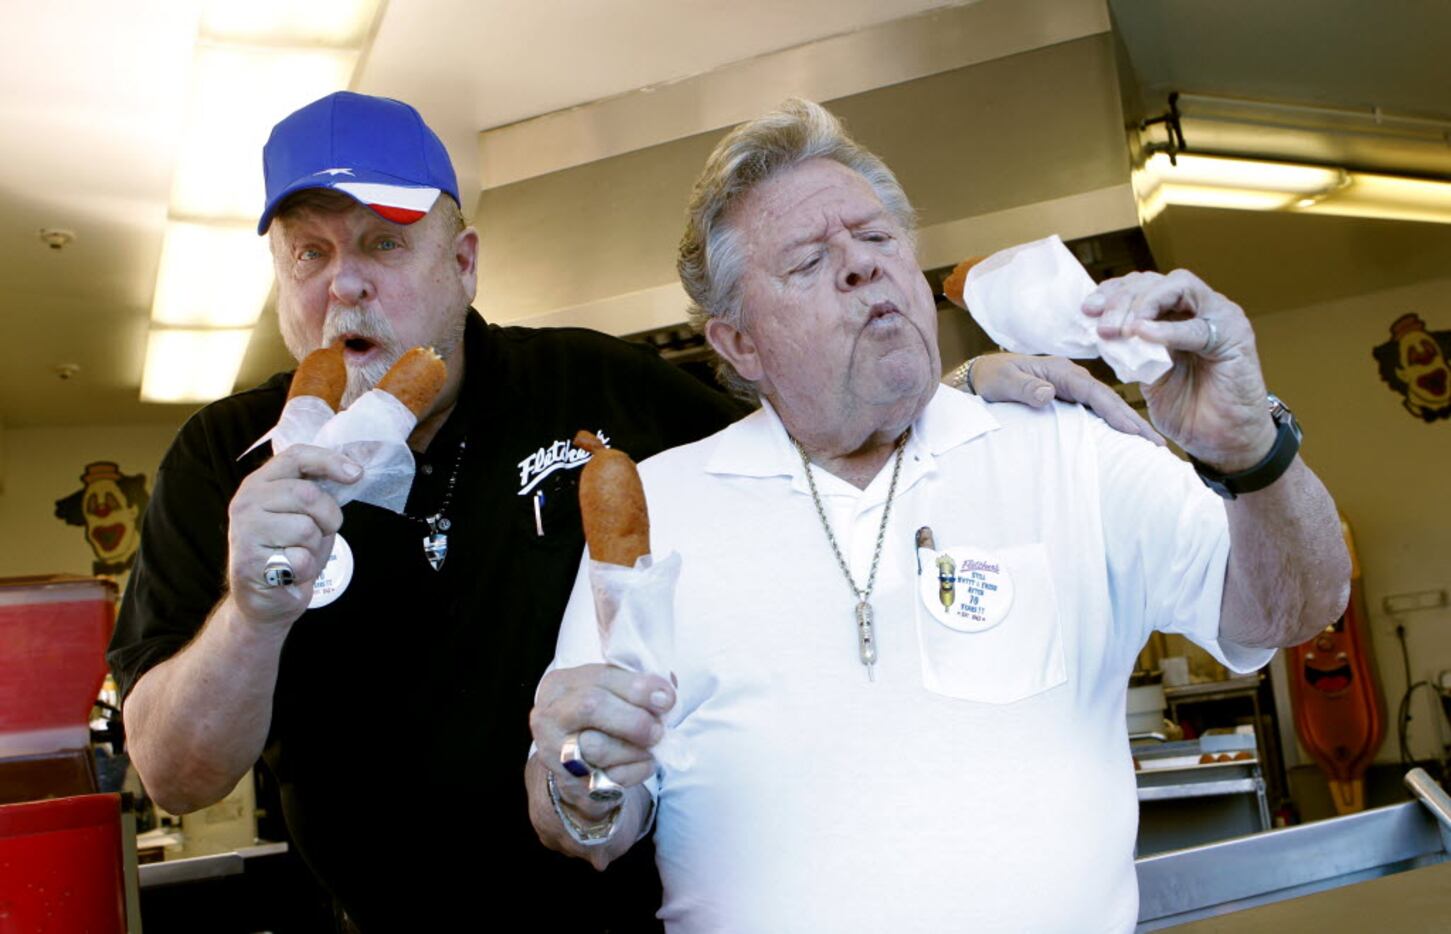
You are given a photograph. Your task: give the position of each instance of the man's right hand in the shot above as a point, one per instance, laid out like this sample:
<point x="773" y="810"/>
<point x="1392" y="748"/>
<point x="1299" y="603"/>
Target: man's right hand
<point x="617" y="715"/>
<point x="279" y="508"/>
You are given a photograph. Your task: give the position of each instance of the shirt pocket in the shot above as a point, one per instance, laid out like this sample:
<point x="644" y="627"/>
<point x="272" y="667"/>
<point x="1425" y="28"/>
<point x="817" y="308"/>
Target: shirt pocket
<point x="1016" y="659"/>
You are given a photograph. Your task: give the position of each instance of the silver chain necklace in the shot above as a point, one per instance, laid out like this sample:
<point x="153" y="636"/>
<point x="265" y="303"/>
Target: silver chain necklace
<point x="865" y="635"/>
<point x="435" y="543"/>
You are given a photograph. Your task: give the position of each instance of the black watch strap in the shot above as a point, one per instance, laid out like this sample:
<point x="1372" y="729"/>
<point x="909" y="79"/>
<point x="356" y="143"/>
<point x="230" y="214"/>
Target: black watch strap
<point x="1271" y="466"/>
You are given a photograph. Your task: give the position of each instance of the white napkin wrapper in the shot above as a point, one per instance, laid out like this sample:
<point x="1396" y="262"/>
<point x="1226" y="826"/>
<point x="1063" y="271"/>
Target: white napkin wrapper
<point x="1029" y="299"/>
<point x="635" y="610"/>
<point x="373" y="431"/>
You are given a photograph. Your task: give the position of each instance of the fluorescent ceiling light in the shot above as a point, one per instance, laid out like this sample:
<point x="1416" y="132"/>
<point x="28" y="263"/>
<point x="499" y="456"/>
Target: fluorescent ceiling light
<point x="212" y="275"/>
<point x="1213" y="171"/>
<point x="237" y="95"/>
<point x="1388" y="197"/>
<point x="1243" y="199"/>
<point x="192" y="366"/>
<point x="338" y="23"/>
<point x="1248" y="184"/>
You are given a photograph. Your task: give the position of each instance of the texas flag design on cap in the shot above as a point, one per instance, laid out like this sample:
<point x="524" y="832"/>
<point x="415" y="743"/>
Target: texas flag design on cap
<point x="397" y="203"/>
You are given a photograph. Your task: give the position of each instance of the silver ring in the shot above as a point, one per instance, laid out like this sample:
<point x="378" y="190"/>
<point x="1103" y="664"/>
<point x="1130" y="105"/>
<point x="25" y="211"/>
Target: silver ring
<point x="603" y="788"/>
<point x="1212" y="339"/>
<point x="572" y="759"/>
<point x="278" y="572"/>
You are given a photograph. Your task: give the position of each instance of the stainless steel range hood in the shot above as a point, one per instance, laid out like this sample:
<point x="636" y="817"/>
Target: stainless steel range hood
<point x="1002" y="118"/>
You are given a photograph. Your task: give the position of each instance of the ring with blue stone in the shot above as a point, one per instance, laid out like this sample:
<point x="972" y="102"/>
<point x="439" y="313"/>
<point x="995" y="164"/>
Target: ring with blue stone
<point x="572" y="759"/>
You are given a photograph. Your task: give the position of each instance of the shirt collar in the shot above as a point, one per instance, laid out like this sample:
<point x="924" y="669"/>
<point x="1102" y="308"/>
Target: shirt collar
<point x="758" y="446"/>
<point x="952" y="418"/>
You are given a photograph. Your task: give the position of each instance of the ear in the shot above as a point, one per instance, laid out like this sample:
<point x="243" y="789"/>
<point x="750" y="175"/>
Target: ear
<point x="466" y="259"/>
<point x="737" y="347"/>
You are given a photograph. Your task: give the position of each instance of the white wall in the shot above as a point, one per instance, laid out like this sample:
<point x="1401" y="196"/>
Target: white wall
<point x="41" y="465"/>
<point x="1387" y="470"/>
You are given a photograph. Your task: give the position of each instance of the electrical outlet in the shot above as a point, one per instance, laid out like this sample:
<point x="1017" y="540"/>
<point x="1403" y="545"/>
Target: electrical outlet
<point x="1398" y="603"/>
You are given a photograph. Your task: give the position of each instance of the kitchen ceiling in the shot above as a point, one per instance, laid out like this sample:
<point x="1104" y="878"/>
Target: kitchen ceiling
<point x="92" y="95"/>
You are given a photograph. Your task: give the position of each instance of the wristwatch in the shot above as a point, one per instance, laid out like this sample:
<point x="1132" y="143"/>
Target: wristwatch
<point x="1268" y="470"/>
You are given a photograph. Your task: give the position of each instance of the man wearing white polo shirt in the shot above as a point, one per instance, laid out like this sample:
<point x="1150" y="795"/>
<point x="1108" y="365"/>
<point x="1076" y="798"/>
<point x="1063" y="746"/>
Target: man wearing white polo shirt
<point x="905" y="617"/>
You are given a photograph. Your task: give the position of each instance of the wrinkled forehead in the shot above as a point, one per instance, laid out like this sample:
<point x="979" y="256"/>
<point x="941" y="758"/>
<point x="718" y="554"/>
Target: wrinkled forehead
<point x="807" y="201"/>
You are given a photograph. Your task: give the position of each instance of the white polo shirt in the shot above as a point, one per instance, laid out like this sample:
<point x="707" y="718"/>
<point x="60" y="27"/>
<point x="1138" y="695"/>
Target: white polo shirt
<point x="983" y="781"/>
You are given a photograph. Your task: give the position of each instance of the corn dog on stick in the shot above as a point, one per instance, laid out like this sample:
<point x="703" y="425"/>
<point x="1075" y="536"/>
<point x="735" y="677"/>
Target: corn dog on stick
<point x="612" y="504"/>
<point x="322" y="374"/>
<point x="416" y="379"/>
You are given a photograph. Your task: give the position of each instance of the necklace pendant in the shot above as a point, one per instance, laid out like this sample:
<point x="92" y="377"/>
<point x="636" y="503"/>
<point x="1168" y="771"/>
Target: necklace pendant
<point x="865" y="637"/>
<point x="435" y="543"/>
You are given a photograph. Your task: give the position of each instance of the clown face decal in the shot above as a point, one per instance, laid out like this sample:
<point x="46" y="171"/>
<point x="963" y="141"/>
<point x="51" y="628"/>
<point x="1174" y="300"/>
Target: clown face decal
<point x="1413" y="363"/>
<point x="109" y="506"/>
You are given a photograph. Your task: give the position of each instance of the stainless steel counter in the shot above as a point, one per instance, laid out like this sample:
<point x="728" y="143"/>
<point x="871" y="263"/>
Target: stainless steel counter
<point x="1230" y="881"/>
<point x="1406" y="903"/>
<point x="212" y="866"/>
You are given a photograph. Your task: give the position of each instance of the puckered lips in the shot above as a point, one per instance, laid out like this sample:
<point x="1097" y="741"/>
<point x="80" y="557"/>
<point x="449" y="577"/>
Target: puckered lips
<point x="883" y="313"/>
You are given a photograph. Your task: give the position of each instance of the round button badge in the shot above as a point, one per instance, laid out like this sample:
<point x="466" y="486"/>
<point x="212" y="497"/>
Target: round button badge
<point x="336" y="575"/>
<point x="967" y="589"/>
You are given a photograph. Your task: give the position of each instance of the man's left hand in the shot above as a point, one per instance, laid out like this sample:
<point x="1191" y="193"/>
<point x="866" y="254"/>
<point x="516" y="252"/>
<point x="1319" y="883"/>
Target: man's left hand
<point x="1035" y="381"/>
<point x="1212" y="403"/>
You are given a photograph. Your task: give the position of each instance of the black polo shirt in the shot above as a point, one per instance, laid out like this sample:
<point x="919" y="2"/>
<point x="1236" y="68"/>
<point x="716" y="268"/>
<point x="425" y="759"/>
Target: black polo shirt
<point x="399" y="725"/>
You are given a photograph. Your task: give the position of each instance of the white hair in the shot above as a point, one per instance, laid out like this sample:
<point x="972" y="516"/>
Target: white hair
<point x="710" y="260"/>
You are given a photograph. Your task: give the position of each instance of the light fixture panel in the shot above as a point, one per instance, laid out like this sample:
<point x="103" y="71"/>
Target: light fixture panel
<point x="211" y="275"/>
<point x="192" y="365"/>
<point x="335" y="23"/>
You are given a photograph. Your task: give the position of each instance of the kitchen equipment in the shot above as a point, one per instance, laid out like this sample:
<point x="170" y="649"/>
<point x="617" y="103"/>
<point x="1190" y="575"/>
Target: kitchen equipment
<point x="68" y="865"/>
<point x="1294" y="879"/>
<point x="1199" y="790"/>
<point x="53" y="636"/>
<point x="1145" y="709"/>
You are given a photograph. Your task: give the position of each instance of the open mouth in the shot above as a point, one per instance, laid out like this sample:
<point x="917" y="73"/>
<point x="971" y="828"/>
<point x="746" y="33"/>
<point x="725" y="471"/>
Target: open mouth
<point x="1332" y="681"/>
<point x="107" y="537"/>
<point x="1433" y="383"/>
<point x="357" y="348"/>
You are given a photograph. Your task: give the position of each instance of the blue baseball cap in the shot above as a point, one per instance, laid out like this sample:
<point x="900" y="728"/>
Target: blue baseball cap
<point x="374" y="149"/>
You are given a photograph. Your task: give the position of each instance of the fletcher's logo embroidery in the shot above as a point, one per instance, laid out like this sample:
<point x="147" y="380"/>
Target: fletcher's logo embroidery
<point x="561" y="455"/>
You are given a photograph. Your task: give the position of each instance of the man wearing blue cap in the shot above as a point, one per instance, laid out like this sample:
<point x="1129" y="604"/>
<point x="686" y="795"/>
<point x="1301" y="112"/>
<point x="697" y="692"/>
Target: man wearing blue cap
<point x="409" y="680"/>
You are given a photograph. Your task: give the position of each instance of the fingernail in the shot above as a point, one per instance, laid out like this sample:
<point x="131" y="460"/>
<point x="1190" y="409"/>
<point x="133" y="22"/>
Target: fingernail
<point x="656" y="732"/>
<point x="660" y="700"/>
<point x="351" y="470"/>
<point x="1093" y="302"/>
<point x="1042" y="394"/>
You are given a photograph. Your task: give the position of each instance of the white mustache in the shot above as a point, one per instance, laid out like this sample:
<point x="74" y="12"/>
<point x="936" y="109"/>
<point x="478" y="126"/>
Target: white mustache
<point x="360" y="322"/>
